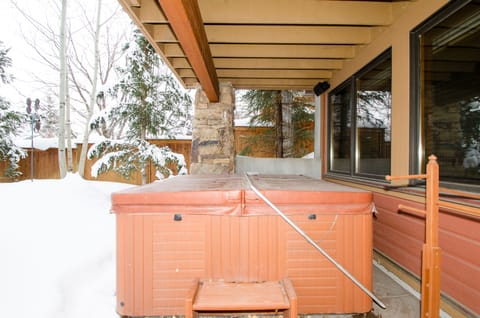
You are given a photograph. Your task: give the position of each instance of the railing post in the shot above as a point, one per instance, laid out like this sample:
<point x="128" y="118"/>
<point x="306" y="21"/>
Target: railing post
<point x="431" y="253"/>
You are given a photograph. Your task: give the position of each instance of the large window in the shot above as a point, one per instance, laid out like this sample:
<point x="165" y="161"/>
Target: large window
<point x="360" y="112"/>
<point x="340" y="128"/>
<point x="447" y="92"/>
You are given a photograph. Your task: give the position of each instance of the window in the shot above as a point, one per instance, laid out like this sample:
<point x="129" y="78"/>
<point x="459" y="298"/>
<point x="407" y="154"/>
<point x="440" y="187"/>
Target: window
<point x="362" y="146"/>
<point x="341" y="126"/>
<point x="446" y="100"/>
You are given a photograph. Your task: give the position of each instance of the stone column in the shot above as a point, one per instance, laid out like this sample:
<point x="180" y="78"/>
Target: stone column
<point x="213" y="142"/>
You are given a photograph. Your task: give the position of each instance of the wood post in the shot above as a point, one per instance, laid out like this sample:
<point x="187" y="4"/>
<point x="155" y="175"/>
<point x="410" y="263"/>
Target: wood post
<point x="431" y="252"/>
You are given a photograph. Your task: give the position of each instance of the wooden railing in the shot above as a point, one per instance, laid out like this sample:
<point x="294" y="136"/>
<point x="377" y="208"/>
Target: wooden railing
<point x="431" y="252"/>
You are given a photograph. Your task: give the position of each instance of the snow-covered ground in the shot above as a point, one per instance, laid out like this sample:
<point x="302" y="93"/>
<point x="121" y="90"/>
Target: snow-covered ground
<point x="57" y="249"/>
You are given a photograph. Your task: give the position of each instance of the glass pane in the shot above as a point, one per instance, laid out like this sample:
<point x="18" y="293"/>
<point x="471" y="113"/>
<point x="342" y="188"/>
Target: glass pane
<point x="340" y="118"/>
<point x="451" y="94"/>
<point x="373" y="110"/>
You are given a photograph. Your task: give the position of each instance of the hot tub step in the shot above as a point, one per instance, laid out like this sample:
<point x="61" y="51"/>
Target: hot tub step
<point x="219" y="296"/>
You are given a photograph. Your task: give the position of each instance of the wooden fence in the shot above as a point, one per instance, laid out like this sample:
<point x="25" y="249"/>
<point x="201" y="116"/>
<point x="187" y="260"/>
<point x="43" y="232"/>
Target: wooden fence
<point x="45" y="162"/>
<point x="181" y="146"/>
<point x="245" y="142"/>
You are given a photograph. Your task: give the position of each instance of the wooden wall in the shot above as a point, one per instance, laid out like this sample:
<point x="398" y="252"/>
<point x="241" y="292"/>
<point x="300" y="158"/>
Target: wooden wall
<point x="400" y="236"/>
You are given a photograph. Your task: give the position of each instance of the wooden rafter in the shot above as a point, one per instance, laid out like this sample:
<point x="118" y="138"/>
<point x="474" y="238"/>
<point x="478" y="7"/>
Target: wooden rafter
<point x="186" y="22"/>
<point x="266" y="44"/>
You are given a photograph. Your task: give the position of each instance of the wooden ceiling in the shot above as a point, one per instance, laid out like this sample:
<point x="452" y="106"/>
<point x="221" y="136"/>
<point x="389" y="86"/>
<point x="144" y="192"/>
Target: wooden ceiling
<point x="263" y="44"/>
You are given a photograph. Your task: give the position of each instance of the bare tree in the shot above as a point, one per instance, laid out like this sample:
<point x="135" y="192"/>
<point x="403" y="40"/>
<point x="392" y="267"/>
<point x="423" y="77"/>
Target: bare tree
<point x="93" y="93"/>
<point x="91" y="56"/>
<point x="62" y="94"/>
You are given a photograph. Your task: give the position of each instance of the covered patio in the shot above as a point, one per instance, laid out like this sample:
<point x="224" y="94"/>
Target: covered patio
<point x="217" y="46"/>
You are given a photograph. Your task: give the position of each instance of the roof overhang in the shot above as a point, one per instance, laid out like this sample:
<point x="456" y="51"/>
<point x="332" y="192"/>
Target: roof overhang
<point x="266" y="44"/>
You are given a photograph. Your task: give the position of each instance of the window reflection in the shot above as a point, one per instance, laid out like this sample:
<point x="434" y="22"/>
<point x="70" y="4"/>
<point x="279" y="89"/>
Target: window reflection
<point x="360" y="122"/>
<point x="450" y="93"/>
<point x="373" y="111"/>
<point x="340" y="129"/>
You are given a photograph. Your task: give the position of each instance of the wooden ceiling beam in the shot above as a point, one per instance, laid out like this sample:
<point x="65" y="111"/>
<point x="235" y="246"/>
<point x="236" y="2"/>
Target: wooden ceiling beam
<point x="282" y="51"/>
<point x="297" y="12"/>
<point x="267" y="83"/>
<point x="186" y="22"/>
<point x="133" y="3"/>
<point x="245" y="73"/>
<point x="280" y="63"/>
<point x="171" y="50"/>
<point x="161" y="33"/>
<point x="149" y="12"/>
<point x="160" y="48"/>
<point x="276" y="34"/>
<point x="179" y="62"/>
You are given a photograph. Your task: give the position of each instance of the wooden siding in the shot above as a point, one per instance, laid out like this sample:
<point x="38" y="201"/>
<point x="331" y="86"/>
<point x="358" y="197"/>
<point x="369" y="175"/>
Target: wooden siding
<point x="400" y="237"/>
<point x="158" y="259"/>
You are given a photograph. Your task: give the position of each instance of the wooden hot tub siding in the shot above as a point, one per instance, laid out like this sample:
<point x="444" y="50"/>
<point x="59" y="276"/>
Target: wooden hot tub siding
<point x="400" y="237"/>
<point x="233" y="236"/>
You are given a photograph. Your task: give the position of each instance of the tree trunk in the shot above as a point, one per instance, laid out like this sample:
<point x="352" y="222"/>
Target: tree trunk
<point x="63" y="84"/>
<point x="287" y="125"/>
<point x="278" y="126"/>
<point x="68" y="132"/>
<point x="143" y="135"/>
<point x="93" y="95"/>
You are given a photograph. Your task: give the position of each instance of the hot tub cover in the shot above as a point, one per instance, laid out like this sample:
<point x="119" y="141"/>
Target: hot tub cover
<point x="230" y="195"/>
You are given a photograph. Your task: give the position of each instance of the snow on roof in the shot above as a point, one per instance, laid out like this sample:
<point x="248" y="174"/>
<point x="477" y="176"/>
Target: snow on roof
<point x="42" y="143"/>
<point x="39" y="143"/>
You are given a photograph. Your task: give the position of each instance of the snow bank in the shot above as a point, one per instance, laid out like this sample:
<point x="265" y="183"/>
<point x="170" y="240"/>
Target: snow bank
<point x="57" y="246"/>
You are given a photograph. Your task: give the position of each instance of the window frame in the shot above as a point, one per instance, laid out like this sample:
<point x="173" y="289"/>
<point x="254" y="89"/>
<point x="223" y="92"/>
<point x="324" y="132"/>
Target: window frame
<point x="417" y="157"/>
<point x="354" y="155"/>
<point x="345" y="84"/>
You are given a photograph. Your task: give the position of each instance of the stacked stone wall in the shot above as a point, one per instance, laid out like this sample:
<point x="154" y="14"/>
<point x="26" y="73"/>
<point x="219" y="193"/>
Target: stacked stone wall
<point x="213" y="142"/>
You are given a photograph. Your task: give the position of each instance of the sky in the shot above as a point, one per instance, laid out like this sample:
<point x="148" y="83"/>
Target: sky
<point x="13" y="30"/>
<point x="19" y="35"/>
<point x="57" y="247"/>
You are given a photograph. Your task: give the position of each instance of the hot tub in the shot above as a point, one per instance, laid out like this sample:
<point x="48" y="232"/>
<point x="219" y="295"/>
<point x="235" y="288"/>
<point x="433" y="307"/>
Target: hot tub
<point x="214" y="228"/>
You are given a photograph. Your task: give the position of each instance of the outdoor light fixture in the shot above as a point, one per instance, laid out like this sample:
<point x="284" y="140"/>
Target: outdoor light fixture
<point x="34" y="124"/>
<point x="321" y="87"/>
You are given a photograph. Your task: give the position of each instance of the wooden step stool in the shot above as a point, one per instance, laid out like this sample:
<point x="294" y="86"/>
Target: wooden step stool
<point x="219" y="296"/>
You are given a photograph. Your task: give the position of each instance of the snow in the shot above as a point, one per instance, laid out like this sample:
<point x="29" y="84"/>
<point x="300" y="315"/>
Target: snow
<point x="57" y="248"/>
<point x="40" y="143"/>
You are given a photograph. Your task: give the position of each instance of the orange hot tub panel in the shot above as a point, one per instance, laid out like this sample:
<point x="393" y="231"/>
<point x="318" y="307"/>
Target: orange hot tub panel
<point x="214" y="229"/>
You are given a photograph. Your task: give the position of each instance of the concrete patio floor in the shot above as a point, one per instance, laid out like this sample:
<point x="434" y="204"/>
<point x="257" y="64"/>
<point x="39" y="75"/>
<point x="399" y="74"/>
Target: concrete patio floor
<point x="401" y="301"/>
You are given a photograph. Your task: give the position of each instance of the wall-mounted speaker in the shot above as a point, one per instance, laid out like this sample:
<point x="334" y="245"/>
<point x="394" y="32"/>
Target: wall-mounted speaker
<point x="321" y="87"/>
